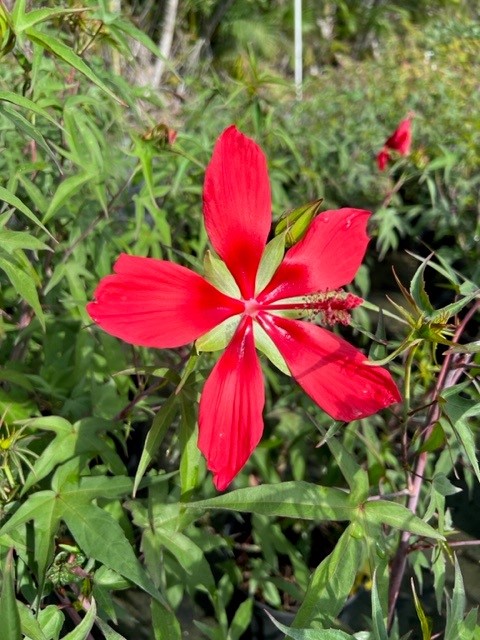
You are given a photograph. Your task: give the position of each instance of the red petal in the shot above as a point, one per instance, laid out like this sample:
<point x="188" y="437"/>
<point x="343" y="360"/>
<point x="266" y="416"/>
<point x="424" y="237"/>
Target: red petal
<point x="230" y="415"/>
<point x="237" y="205"/>
<point x="154" y="303"/>
<point x="326" y="259"/>
<point x="383" y="158"/>
<point x="331" y="371"/>
<point x="401" y="138"/>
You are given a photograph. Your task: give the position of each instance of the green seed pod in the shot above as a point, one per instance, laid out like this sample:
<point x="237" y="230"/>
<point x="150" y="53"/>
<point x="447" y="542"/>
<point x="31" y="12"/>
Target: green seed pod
<point x="7" y="35"/>
<point x="296" y="222"/>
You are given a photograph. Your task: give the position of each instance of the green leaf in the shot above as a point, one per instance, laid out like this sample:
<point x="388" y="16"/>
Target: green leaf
<point x="459" y="411"/>
<point x="310" y="634"/>
<point x="188" y="438"/>
<point x="100" y="536"/>
<point x="455" y="606"/>
<point x="356" y="477"/>
<point x="66" y="189"/>
<point x="108" y="632"/>
<point x="37" y="16"/>
<point x="30" y="625"/>
<point x="217" y="273"/>
<point x="417" y="289"/>
<point x="82" y="631"/>
<point x="189" y="556"/>
<point x="10" y="241"/>
<point x="164" y="622"/>
<point x="56" y="46"/>
<point x="51" y="620"/>
<point x="470" y="347"/>
<point x="24" y="286"/>
<point x="13" y="201"/>
<point x="288" y="499"/>
<point x="32" y="132"/>
<point x="399" y="517"/>
<point x="271" y="258"/>
<point x="332" y="581"/>
<point x="9" y="615"/>
<point x="379" y="627"/>
<point x="21" y="101"/>
<point x="425" y="622"/>
<point x="241" y="619"/>
<point x="154" y="438"/>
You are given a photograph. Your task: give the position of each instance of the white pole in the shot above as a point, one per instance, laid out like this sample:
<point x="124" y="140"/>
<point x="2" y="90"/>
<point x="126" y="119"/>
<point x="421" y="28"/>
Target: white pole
<point x="298" y="48"/>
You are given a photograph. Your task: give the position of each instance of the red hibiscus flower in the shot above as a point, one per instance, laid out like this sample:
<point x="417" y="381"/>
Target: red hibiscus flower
<point x="400" y="141"/>
<point x="254" y="301"/>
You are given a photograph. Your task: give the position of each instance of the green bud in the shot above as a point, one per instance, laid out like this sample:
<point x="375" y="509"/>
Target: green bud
<point x="295" y="223"/>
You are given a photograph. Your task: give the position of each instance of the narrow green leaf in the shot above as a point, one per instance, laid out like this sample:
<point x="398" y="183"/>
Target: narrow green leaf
<point x="271" y="259"/>
<point x="310" y="634"/>
<point x="379" y="626"/>
<point x="10" y="241"/>
<point x="32" y="132"/>
<point x="459" y="411"/>
<point x="21" y="101"/>
<point x="453" y="308"/>
<point x="470" y="347"/>
<point x="241" y="619"/>
<point x="37" y="16"/>
<point x="154" y="438"/>
<point x="188" y="438"/>
<point x="455" y="606"/>
<point x="164" y="622"/>
<point x="56" y="46"/>
<point x="288" y="499"/>
<point x="13" y="201"/>
<point x="24" y="286"/>
<point x="9" y="615"/>
<point x="425" y="622"/>
<point x="66" y="189"/>
<point x="356" y="477"/>
<point x="417" y="289"/>
<point x="82" y="631"/>
<point x="108" y="632"/>
<point x="399" y="517"/>
<point x="30" y="625"/>
<point x="189" y="556"/>
<point x="331" y="582"/>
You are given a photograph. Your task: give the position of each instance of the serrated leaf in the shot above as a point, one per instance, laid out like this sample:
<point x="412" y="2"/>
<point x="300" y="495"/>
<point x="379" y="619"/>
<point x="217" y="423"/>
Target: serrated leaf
<point x="397" y="516"/>
<point x="288" y="499"/>
<point x="56" y="46"/>
<point x="9" y="615"/>
<point x="100" y="536"/>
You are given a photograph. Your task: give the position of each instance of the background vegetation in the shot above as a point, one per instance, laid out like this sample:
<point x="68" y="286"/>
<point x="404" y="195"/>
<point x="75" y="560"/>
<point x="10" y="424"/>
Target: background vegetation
<point x="88" y="170"/>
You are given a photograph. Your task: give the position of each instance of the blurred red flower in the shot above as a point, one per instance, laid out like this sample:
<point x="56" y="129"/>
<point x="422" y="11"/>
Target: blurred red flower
<point x="400" y="141"/>
<point x="156" y="303"/>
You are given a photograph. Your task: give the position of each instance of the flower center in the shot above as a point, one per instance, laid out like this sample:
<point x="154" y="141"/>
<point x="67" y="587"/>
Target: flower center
<point x="251" y="307"/>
